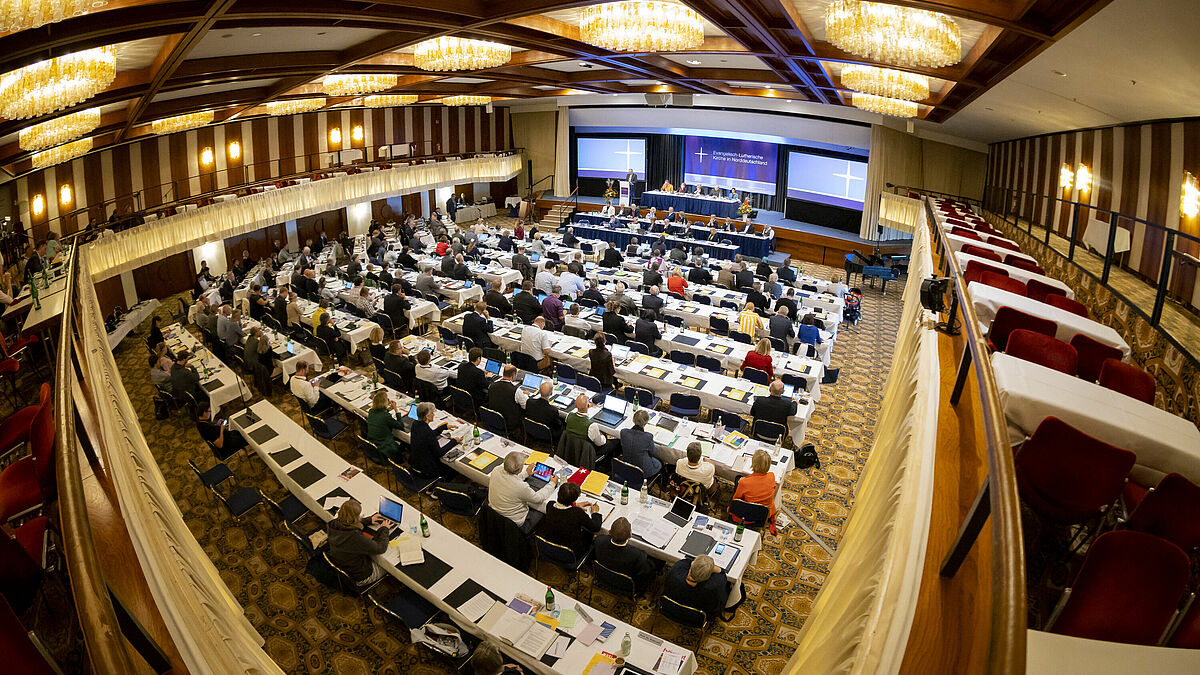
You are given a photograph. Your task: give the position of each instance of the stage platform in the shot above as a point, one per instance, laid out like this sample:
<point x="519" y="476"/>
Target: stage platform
<point x="803" y="241"/>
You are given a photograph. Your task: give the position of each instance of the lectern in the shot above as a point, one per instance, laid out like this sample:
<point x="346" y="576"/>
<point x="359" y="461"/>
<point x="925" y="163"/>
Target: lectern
<point x="624" y="193"/>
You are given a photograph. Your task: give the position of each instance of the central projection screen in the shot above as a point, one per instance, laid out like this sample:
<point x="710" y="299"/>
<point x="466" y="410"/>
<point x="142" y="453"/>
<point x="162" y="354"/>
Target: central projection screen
<point x="610" y="157"/>
<point x="748" y="166"/>
<point x="827" y="180"/>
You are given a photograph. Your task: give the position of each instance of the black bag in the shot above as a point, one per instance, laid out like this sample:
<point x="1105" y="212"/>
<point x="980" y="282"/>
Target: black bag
<point x="806" y="457"/>
<point x="162" y="408"/>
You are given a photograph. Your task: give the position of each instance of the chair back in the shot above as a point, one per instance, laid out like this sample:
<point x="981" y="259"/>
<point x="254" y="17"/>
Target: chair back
<point x="701" y="299"/>
<point x="1040" y="290"/>
<point x="609" y="578"/>
<point x="566" y="374"/>
<point x="683" y="358"/>
<point x="644" y="397"/>
<point x="1003" y="282"/>
<point x="536" y="431"/>
<point x="1065" y="303"/>
<point x="624" y="472"/>
<point x="830" y="376"/>
<point x="981" y="252"/>
<point x="1050" y="479"/>
<point x="495" y="354"/>
<point x="588" y="382"/>
<point x="685" y="405"/>
<point x="1022" y="263"/>
<point x="729" y="304"/>
<point x="1129" y="380"/>
<point x="493" y="421"/>
<point x="462" y="399"/>
<point x="454" y="499"/>
<point x="1043" y="350"/>
<point x="756" y="376"/>
<point x="709" y="363"/>
<point x="718" y="325"/>
<point x="752" y="514"/>
<point x="1008" y="319"/>
<point x="1168" y="510"/>
<point x="448" y="336"/>
<point x="1003" y="243"/>
<point x="965" y="232"/>
<point x="525" y="362"/>
<point x="766" y="430"/>
<point x="741" y="337"/>
<point x="778" y="344"/>
<point x="975" y="270"/>
<point x="557" y="554"/>
<point x="427" y="391"/>
<point x="1092" y="354"/>
<point x="638" y="347"/>
<point x="729" y="420"/>
<point x="681" y="613"/>
<point x="676" y="321"/>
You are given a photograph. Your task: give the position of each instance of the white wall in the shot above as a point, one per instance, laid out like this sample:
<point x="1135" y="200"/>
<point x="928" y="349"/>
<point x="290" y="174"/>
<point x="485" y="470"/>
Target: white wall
<point x="358" y="218"/>
<point x="293" y="236"/>
<point x="214" y="254"/>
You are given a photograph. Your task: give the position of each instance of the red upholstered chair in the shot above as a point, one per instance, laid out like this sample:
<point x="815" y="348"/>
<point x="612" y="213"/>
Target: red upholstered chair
<point x="1169" y="510"/>
<point x="1129" y="380"/>
<point x="1003" y="282"/>
<point x="1024" y="264"/>
<point x="1072" y="306"/>
<point x="1187" y="632"/>
<point x="21" y="654"/>
<point x="1040" y="290"/>
<point x="981" y="252"/>
<point x="1092" y="353"/>
<point x="28" y="483"/>
<point x="1127" y="590"/>
<point x="14" y="430"/>
<point x="1043" y="350"/>
<point x="1067" y="476"/>
<point x="975" y="270"/>
<point x="1008" y="319"/>
<point x="964" y="232"/>
<point x="1003" y="243"/>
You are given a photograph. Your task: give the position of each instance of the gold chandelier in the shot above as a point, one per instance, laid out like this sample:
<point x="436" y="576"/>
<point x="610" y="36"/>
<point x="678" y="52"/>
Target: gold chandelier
<point x="46" y="86"/>
<point x="452" y="53"/>
<point x="893" y="34"/>
<point x="885" y="82"/>
<point x="356" y="84"/>
<point x="883" y="105"/>
<point x="183" y="122"/>
<point x="58" y="131"/>
<point x="389" y="100"/>
<point x="467" y="100"/>
<point x="18" y="15"/>
<point x="293" y="106"/>
<point x="62" y="153"/>
<point x="641" y="26"/>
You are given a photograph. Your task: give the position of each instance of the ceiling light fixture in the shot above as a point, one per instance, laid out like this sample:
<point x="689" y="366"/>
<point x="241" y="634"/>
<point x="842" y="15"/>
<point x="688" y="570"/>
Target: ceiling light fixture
<point x="641" y="26"/>
<point x="293" y="106"/>
<point x="356" y="84"/>
<point x="893" y="34"/>
<point x="453" y="53"/>
<point x="389" y="100"/>
<point x="235" y="150"/>
<point x="46" y="86"/>
<point x="1189" y="195"/>
<point x="171" y="125"/>
<point x="883" y="105"/>
<point x="61" y="153"/>
<point x="18" y="15"/>
<point x="1066" y="177"/>
<point x="885" y="82"/>
<point x="466" y="100"/>
<point x="1083" y="178"/>
<point x="59" y="131"/>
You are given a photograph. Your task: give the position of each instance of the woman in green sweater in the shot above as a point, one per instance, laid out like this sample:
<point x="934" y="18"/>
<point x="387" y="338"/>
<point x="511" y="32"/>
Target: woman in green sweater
<point x="381" y="420"/>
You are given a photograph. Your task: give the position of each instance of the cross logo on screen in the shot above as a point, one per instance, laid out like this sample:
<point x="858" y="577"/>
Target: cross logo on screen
<point x="849" y="177"/>
<point x="702" y="154"/>
<point x="629" y="152"/>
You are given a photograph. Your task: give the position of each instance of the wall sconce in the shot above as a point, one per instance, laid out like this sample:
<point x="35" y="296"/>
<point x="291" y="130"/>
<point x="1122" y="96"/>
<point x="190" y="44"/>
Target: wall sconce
<point x="1083" y="179"/>
<point x="235" y="150"/>
<point x="1066" y="177"/>
<point x="335" y="136"/>
<point x="1189" y="198"/>
<point x="39" y="205"/>
<point x="357" y="134"/>
<point x="64" y="195"/>
<point x="206" y="157"/>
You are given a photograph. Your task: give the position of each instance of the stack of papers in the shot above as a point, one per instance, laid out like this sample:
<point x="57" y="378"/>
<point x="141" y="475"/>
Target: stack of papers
<point x="405" y="550"/>
<point x="519" y="630"/>
<point x="654" y="531"/>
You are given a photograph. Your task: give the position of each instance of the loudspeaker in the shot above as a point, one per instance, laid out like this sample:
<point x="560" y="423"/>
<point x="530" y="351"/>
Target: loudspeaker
<point x="656" y="99"/>
<point x="682" y="100"/>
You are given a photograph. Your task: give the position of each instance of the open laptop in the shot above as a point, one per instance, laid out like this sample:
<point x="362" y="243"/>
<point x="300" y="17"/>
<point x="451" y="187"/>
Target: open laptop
<point x="535" y="257"/>
<point x="612" y="412"/>
<point x="540" y="476"/>
<point x="393" y="512"/>
<point x="531" y="382"/>
<point x="681" y="512"/>
<point x="491" y="366"/>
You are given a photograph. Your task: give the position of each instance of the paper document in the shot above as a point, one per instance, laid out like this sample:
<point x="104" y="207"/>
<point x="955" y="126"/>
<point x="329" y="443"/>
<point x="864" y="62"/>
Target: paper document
<point x="670" y="662"/>
<point x="535" y="640"/>
<point x="483" y="460"/>
<point x="405" y="550"/>
<point x="475" y="608"/>
<point x="566" y="619"/>
<point x="537" y="456"/>
<point x="559" y="648"/>
<point x="655" y="531"/>
<point x="588" y="634"/>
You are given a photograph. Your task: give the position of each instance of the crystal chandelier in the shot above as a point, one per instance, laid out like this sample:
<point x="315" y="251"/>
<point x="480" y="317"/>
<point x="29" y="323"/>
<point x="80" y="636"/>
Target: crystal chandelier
<point x="46" y="86"/>
<point x="883" y="105"/>
<point x="467" y="100"/>
<point x="389" y="100"/>
<point x="452" y="53"/>
<point x="58" y="131"/>
<point x="356" y="84"/>
<point x="294" y="106"/>
<point x="18" y="15"/>
<point x="641" y="26"/>
<point x="184" y="122"/>
<point x="885" y="82"/>
<point x="893" y="34"/>
<point x="62" y="153"/>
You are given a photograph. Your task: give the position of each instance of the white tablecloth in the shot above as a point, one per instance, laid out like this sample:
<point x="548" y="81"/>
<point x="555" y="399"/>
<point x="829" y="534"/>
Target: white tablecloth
<point x="136" y="315"/>
<point x="1164" y="443"/>
<point x="987" y="300"/>
<point x="1015" y="272"/>
<point x="957" y="242"/>
<point x="231" y="388"/>
<point x="467" y="214"/>
<point x="1095" y="236"/>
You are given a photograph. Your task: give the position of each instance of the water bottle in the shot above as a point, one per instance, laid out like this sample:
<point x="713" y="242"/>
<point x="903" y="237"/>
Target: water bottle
<point x="626" y="645"/>
<point x="549" y="599"/>
<point x="644" y="495"/>
<point x="424" y="527"/>
<point x="625" y="493"/>
<point x="737" y="534"/>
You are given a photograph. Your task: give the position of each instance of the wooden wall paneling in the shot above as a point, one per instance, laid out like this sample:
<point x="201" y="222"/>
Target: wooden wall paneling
<point x="93" y="179"/>
<point x="287" y="163"/>
<point x="1131" y="158"/>
<point x="122" y="178"/>
<point x="256" y="243"/>
<point x="165" y="277"/>
<point x="179" y="188"/>
<point x="110" y="293"/>
<point x="419" y="138"/>
<point x="311" y="132"/>
<point x="411" y="203"/>
<point x="148" y="155"/>
<point x="485" y="131"/>
<point x="205" y="139"/>
<point x="263" y="166"/>
<point x="64" y="174"/>
<point x="235" y="169"/>
<point x="1154" y="238"/>
<point x="333" y="223"/>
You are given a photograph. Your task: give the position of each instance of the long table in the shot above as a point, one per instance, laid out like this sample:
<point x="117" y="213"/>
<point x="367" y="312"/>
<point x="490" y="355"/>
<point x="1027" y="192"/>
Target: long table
<point x="454" y="570"/>
<point x="987" y="300"/>
<point x="957" y="241"/>
<point x="467" y="214"/>
<point x="586" y="226"/>
<point x="703" y="206"/>
<point x="222" y="384"/>
<point x="135" y="316"/>
<point x="1022" y="275"/>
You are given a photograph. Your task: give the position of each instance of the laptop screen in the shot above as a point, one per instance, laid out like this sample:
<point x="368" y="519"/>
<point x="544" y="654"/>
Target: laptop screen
<point x="615" y="404"/>
<point x="491" y="366"/>
<point x="531" y="381"/>
<point x="349" y="285"/>
<point x="391" y="510"/>
<point x="412" y="412"/>
<point x="682" y="508"/>
<point x="291" y="347"/>
<point x="467" y="284"/>
<point x="599" y="311"/>
<point x="535" y="257"/>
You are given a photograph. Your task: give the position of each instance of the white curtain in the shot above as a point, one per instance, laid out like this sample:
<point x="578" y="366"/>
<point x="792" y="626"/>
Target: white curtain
<point x="860" y="620"/>
<point x="562" y="154"/>
<point x="133" y="248"/>
<point x="207" y="625"/>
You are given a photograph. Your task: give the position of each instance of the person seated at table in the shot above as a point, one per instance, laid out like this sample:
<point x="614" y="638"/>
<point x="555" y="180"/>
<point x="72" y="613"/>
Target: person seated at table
<point x="426" y="283"/>
<point x="696" y="467"/>
<point x="614" y="552"/>
<point x="569" y="239"/>
<point x="477" y="325"/>
<point x="375" y="346"/>
<point x="836" y="288"/>
<point x="624" y="302"/>
<point x="442" y="248"/>
<point x="303" y="389"/>
<point x="667" y="187"/>
<point x="572" y="281"/>
<point x="780" y="325"/>
<point x="749" y="322"/>
<point x="698" y="583"/>
<point x="535" y="342"/>
<point x="405" y="259"/>
<point x="536" y="245"/>
<point x="571" y="523"/>
<point x="744" y="276"/>
<point x="613" y="323"/>
<point x="525" y="303"/>
<point x="575" y="321"/>
<point x="768" y="232"/>
<point x="726" y="278"/>
<point x="321" y="310"/>
<point x="506" y="398"/>
<point x="646" y="331"/>
<point x="496" y="300"/>
<point x="759" y="487"/>
<point x="760" y="358"/>
<point x="788" y="302"/>
<point x="460" y="272"/>
<point x="198" y="289"/>
<point x="510" y="496"/>
<point x="678" y="255"/>
<point x="552" y="309"/>
<point x="808" y="332"/>
<point x="637" y="446"/>
<point x="506" y="241"/>
<point x="339" y="346"/>
<point x="227" y="285"/>
<point x="699" y="274"/>
<point x="653" y="302"/>
<point x="546" y="279"/>
<point x="382" y="421"/>
<point x="185" y="380"/>
<point x="603" y="368"/>
<point x="213" y="430"/>
<point x="580" y="425"/>
<point x="539" y="409"/>
<point x="651" y="276"/>
<point x="160" y="367"/>
<point x="754" y="295"/>
<point x="396" y="306"/>
<point x="352" y="543"/>
<point x="196" y="309"/>
<point x="774" y="407"/>
<point x="611" y="258"/>
<point x="487" y="659"/>
<point x="233" y="329"/>
<point x="471" y="378"/>
<point x="651" y="214"/>
<point x="608" y="210"/>
<point x="427" y="371"/>
<point x="446" y="266"/>
<point x="671" y="216"/>
<point x="764" y="269"/>
<point x="398" y="365"/>
<point x="633" y="247"/>
<point x="676" y="283"/>
<point x="279" y="310"/>
<point x="593" y="292"/>
<point x="772" y="287"/>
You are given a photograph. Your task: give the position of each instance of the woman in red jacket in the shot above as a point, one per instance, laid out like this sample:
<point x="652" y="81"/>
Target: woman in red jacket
<point x="760" y="358"/>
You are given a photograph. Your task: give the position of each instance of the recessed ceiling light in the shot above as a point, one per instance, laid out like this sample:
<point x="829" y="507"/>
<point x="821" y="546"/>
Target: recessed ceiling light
<point x="1059" y="73"/>
<point x="227" y="35"/>
<point x="256" y="35"/>
<point x="321" y="32"/>
<point x="693" y="62"/>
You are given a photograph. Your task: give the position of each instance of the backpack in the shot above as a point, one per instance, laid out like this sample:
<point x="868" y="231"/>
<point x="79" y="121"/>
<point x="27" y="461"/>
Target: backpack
<point x="806" y="457"/>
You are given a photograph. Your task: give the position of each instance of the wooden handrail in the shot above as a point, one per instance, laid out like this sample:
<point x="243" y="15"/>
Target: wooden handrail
<point x="93" y="605"/>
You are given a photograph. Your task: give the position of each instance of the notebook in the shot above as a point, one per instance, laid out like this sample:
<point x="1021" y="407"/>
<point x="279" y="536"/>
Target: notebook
<point x="263" y="434"/>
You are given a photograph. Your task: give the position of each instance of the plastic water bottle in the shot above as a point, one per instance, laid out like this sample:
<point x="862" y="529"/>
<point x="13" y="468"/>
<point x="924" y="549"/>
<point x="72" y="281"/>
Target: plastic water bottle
<point x="626" y="645"/>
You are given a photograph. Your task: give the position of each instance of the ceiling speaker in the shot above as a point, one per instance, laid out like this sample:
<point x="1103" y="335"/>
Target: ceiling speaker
<point x="683" y="100"/>
<point x="656" y="99"/>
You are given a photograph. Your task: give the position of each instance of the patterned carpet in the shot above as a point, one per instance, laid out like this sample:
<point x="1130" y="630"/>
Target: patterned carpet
<point x="311" y="629"/>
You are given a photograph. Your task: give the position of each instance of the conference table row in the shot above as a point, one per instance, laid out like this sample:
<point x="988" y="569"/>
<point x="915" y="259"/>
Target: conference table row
<point x="586" y="227"/>
<point x="217" y="379"/>
<point x="750" y="243"/>
<point x="721" y="207"/>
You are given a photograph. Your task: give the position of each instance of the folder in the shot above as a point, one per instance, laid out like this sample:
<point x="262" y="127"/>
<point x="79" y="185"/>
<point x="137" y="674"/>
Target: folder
<point x="595" y="483"/>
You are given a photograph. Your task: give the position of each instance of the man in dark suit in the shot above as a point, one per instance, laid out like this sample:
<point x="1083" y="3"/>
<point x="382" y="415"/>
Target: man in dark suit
<point x="520" y="263"/>
<point x="525" y="304"/>
<point x="279" y="309"/>
<point x="496" y="300"/>
<point x="460" y="272"/>
<point x="185" y="380"/>
<point x="398" y="366"/>
<point x="507" y="399"/>
<point x="451" y="207"/>
<point x="774" y="408"/>
<point x="646" y="332"/>
<point x="593" y="293"/>
<point x="650" y="276"/>
<point x="477" y="325"/>
<point x="612" y="257"/>
<point x="744" y="277"/>
<point x="671" y="216"/>
<point x="699" y="275"/>
<point x="698" y="583"/>
<point x="760" y="301"/>
<point x="781" y="326"/>
<point x="353" y="268"/>
<point x="612" y="551"/>
<point x="653" y="302"/>
<point x="396" y="306"/>
<point x="539" y="409"/>
<point x="788" y="301"/>
<point x="471" y="378"/>
<point x="569" y="238"/>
